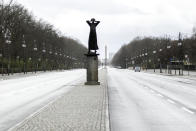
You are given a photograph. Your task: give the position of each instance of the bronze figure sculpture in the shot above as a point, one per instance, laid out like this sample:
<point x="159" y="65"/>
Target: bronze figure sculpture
<point x="92" y="41"/>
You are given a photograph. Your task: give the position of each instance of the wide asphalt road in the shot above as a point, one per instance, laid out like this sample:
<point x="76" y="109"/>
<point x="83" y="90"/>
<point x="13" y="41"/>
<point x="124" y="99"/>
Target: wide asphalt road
<point x="150" y="102"/>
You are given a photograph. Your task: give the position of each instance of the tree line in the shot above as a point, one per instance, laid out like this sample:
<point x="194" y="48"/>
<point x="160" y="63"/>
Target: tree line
<point x="27" y="44"/>
<point x="157" y="52"/>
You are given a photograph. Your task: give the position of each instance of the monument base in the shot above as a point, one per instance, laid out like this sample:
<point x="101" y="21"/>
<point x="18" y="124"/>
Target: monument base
<point x="92" y="69"/>
<point x="92" y="83"/>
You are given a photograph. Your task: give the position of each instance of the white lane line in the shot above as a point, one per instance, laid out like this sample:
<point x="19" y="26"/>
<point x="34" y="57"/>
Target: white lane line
<point x="152" y="91"/>
<point x="160" y="95"/>
<point x="145" y="87"/>
<point x="187" y="110"/>
<point x="170" y="101"/>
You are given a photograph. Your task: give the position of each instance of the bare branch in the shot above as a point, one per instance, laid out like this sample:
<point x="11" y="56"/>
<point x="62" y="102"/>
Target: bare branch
<point x="10" y="3"/>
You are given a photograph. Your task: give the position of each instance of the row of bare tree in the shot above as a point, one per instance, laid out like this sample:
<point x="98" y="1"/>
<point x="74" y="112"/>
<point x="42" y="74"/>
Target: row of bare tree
<point x="153" y="52"/>
<point x="27" y="44"/>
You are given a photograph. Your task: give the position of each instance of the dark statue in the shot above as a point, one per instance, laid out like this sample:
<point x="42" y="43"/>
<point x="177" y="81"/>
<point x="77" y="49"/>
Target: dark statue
<point x="92" y="41"/>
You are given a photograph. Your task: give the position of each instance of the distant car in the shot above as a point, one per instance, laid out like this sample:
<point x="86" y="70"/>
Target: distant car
<point x="137" y="69"/>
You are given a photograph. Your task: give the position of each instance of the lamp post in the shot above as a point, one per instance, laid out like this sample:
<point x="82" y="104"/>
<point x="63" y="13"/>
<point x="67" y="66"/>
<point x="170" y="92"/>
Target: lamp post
<point x="140" y="55"/>
<point x="154" y="52"/>
<point x="160" y="61"/>
<point x="169" y="71"/>
<point x="29" y="61"/>
<point x="51" y="64"/>
<point x="56" y="62"/>
<point x="135" y="59"/>
<point x="143" y="60"/>
<point x="126" y="60"/>
<point x="64" y="59"/>
<point x="9" y="56"/>
<point x="24" y="55"/>
<point x="39" y="63"/>
<point x="146" y="55"/>
<point x="35" y="61"/>
<point x="8" y="42"/>
<point x="180" y="54"/>
<point x="18" y="61"/>
<point x="60" y="55"/>
<point x="149" y="60"/>
<point x="188" y="62"/>
<point x="133" y="62"/>
<point x="44" y="51"/>
<point x="1" y="56"/>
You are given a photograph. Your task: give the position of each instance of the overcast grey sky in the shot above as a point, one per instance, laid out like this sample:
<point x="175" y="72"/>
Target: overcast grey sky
<point x="121" y="20"/>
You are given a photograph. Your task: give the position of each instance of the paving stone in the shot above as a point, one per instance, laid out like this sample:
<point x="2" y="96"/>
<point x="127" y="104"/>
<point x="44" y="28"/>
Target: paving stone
<point x="84" y="108"/>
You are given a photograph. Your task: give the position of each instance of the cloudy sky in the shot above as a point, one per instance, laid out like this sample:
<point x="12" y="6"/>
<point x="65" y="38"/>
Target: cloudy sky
<point x="121" y="20"/>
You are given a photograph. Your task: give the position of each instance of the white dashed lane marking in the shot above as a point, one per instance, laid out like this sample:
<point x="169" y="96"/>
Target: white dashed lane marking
<point x="187" y="110"/>
<point x="170" y="101"/>
<point x="159" y="95"/>
<point x="152" y="91"/>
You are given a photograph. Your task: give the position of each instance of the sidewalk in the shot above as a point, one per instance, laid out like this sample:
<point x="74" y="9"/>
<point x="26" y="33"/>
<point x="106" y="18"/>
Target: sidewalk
<point x="192" y="74"/>
<point x="84" y="108"/>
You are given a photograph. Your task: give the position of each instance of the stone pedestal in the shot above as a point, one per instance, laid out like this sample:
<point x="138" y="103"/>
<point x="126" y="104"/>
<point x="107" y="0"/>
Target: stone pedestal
<point x="92" y="69"/>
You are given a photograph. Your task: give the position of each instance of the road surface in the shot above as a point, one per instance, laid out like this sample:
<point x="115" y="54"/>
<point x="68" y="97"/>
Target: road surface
<point x="138" y="101"/>
<point x="151" y="102"/>
<point x="21" y="97"/>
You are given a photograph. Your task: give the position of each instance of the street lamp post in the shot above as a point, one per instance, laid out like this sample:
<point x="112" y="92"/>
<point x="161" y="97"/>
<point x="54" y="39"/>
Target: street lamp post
<point x="39" y="63"/>
<point x="8" y="41"/>
<point x="138" y="58"/>
<point x="1" y="56"/>
<point x="146" y="55"/>
<point x="140" y="55"/>
<point x="126" y="60"/>
<point x="35" y="50"/>
<point x="154" y="52"/>
<point x="9" y="55"/>
<point x="18" y="61"/>
<point x="24" y="56"/>
<point x="51" y="64"/>
<point x="143" y="59"/>
<point x="64" y="56"/>
<point x="188" y="62"/>
<point x="56" y="61"/>
<point x="169" y="70"/>
<point x="44" y="51"/>
<point x="60" y="60"/>
<point x="181" y="54"/>
<point x="160" y="61"/>
<point x="29" y="61"/>
<point x="149" y="60"/>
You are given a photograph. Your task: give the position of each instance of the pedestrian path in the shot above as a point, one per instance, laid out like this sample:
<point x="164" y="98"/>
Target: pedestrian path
<point x="191" y="75"/>
<point x="84" y="108"/>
